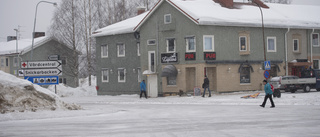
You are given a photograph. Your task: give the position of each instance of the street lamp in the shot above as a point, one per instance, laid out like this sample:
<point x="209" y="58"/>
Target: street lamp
<point x="264" y="46"/>
<point x="16" y="39"/>
<point x="34" y="25"/>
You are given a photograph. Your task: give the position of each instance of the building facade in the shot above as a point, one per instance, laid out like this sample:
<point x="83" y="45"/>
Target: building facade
<point x="180" y="45"/>
<point x="43" y="48"/>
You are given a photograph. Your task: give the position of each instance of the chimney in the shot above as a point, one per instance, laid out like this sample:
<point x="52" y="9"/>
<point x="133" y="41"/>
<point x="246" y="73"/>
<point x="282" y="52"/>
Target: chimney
<point x="9" y="38"/>
<point x="141" y="10"/>
<point x="39" y="34"/>
<point x="225" y="3"/>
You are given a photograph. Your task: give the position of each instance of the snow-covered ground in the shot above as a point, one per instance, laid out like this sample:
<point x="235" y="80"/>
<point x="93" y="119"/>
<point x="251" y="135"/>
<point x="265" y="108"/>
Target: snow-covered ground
<point x="223" y="115"/>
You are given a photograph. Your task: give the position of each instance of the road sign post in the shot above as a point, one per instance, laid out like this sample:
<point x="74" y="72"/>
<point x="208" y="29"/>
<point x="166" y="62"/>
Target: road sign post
<point x="42" y="72"/>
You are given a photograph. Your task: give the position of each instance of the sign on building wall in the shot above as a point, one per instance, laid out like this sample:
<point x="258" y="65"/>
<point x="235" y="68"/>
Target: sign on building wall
<point x="209" y="55"/>
<point x="169" y="57"/>
<point x="190" y="56"/>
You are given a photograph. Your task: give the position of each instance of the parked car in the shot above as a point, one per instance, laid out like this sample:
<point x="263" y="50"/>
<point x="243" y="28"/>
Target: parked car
<point x="276" y="83"/>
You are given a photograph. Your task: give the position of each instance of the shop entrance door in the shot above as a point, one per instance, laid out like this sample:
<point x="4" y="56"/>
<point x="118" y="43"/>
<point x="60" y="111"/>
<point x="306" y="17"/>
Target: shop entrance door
<point x="153" y="86"/>
<point x="190" y="79"/>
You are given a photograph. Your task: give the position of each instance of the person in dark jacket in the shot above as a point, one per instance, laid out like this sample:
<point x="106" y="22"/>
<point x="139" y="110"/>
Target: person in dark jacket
<point x="143" y="89"/>
<point x="268" y="91"/>
<point x="205" y="86"/>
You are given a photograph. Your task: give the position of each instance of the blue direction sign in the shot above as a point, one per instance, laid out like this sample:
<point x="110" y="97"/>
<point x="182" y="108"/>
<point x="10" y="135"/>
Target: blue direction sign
<point x="267" y="65"/>
<point x="266" y="74"/>
<point x="43" y="80"/>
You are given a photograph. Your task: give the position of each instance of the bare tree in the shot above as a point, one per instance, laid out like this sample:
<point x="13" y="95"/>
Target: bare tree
<point x="74" y="20"/>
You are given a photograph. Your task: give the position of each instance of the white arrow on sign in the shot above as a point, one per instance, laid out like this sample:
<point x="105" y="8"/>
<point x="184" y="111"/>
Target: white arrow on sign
<point x="41" y="64"/>
<point x="42" y="72"/>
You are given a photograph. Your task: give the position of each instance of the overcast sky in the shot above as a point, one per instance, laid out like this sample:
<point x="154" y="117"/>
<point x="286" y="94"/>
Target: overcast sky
<point x="14" y="13"/>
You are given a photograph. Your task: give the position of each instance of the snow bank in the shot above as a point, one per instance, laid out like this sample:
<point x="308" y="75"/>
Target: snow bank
<point x="84" y="90"/>
<point x="21" y="95"/>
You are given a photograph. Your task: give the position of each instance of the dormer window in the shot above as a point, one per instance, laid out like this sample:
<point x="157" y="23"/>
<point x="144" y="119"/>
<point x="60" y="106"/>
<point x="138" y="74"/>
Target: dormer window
<point x="167" y="19"/>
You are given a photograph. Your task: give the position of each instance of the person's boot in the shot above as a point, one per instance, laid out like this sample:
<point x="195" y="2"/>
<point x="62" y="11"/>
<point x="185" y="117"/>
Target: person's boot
<point x="261" y="106"/>
<point x="210" y="95"/>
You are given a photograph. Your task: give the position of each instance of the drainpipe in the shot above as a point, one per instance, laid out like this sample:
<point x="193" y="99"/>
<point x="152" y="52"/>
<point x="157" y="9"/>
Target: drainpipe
<point x="311" y="47"/>
<point x="286" y="49"/>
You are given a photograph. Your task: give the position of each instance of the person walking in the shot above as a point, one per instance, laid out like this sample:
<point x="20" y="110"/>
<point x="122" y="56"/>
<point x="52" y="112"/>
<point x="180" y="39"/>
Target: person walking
<point x="143" y="89"/>
<point x="268" y="91"/>
<point x="205" y="86"/>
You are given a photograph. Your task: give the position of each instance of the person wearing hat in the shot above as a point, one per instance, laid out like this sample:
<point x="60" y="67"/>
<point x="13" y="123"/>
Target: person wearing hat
<point x="268" y="91"/>
<point x="205" y="86"/>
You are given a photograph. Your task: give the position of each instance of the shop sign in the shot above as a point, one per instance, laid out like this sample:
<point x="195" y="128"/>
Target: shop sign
<point x="190" y="56"/>
<point x="169" y="57"/>
<point x="209" y="55"/>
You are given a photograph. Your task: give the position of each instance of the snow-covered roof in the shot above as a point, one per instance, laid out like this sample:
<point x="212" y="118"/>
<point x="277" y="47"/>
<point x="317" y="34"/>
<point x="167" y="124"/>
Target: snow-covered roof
<point x="207" y="12"/>
<point x="24" y="45"/>
<point x="122" y="27"/>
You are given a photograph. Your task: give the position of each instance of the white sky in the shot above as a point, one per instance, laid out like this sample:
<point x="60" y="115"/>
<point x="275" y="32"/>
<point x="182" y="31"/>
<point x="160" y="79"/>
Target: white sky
<point x="14" y="13"/>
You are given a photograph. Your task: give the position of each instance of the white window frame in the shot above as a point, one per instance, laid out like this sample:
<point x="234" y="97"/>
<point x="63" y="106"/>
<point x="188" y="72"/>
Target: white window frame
<point x="165" y="19"/>
<point x="138" y="49"/>
<point x="246" y="42"/>
<point x="102" y="74"/>
<point x="102" y="51"/>
<point x="275" y="44"/>
<point x="124" y="77"/>
<point x="149" y="61"/>
<point x="139" y="74"/>
<point x="204" y="43"/>
<point x="15" y="62"/>
<point x="124" y="49"/>
<point x="318" y="63"/>
<point x="297" y="45"/>
<point x="187" y="44"/>
<point x="317" y="40"/>
<point x="174" y="44"/>
<point x="151" y="42"/>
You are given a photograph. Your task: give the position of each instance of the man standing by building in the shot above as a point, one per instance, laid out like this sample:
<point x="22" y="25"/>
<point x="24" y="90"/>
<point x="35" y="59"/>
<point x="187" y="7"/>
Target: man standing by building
<point x="268" y="91"/>
<point x="205" y="86"/>
<point x="143" y="89"/>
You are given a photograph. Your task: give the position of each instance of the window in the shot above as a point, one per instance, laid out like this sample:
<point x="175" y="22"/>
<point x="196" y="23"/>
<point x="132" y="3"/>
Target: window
<point x="121" y="75"/>
<point x="138" y="48"/>
<point x="208" y="43"/>
<point x="272" y="46"/>
<point x="167" y="19"/>
<point x="15" y="62"/>
<point x="316" y="64"/>
<point x="63" y="80"/>
<point x="315" y="40"/>
<point x="2" y="62"/>
<point x="171" y="80"/>
<point x="151" y="61"/>
<point x="243" y="43"/>
<point x="104" y="51"/>
<point x="245" y="75"/>
<point x="121" y="50"/>
<point x="139" y="74"/>
<point x="151" y="42"/>
<point x="190" y="44"/>
<point x="105" y="75"/>
<point x="296" y="45"/>
<point x="171" y="45"/>
<point x="64" y="60"/>
<point x="7" y="62"/>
